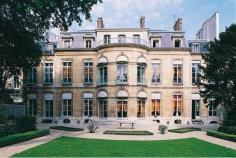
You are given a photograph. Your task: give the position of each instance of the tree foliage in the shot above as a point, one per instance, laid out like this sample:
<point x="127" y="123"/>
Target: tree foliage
<point x="219" y="74"/>
<point x="23" y="24"/>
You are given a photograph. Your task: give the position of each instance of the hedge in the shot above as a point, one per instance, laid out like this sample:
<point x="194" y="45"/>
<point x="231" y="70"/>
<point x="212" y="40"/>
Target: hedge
<point x="230" y="137"/>
<point x="21" y="137"/>
<point x="66" y="128"/>
<point x="128" y="132"/>
<point x="185" y="130"/>
<point x="227" y="129"/>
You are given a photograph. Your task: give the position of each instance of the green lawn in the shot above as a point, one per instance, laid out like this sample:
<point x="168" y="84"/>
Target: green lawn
<point x="80" y="147"/>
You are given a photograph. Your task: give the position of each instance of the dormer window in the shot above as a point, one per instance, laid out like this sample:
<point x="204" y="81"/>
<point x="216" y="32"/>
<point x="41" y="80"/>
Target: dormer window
<point x="88" y="44"/>
<point x="177" y="43"/>
<point x="121" y="39"/>
<point x="156" y="43"/>
<point x="67" y="44"/>
<point x="195" y="47"/>
<point x="136" y="39"/>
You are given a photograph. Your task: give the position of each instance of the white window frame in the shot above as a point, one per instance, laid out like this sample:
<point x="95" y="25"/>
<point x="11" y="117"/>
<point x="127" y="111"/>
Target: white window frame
<point x="122" y="107"/>
<point x="136" y="39"/>
<point x="67" y="97"/>
<point x="121" y="39"/>
<point x="88" y="100"/>
<point x="90" y="68"/>
<point x="48" y="69"/>
<point x="177" y="105"/>
<point x="32" y="108"/>
<point x="141" y="69"/>
<point x="32" y="72"/>
<point x="156" y="39"/>
<point x="51" y="100"/>
<point x="213" y="111"/>
<point x="107" y="39"/>
<point x="196" y="74"/>
<point x="156" y="72"/>
<point x="177" y="64"/>
<point x="177" y="39"/>
<point x="121" y="76"/>
<point x="67" y="66"/>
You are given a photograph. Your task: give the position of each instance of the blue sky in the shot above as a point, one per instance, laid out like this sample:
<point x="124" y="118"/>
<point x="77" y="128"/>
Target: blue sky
<point x="160" y="14"/>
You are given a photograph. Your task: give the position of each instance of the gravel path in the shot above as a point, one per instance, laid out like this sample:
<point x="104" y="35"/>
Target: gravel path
<point x="13" y="149"/>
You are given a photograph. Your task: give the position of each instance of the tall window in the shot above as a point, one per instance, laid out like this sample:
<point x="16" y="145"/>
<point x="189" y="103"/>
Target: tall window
<point x="102" y="74"/>
<point x="156" y="106"/>
<point x="121" y="39"/>
<point x="32" y="107"/>
<point x="48" y="73"/>
<point x="156" y="74"/>
<point x="177" y="104"/>
<point x="88" y="72"/>
<point x="67" y="72"/>
<point x="136" y="39"/>
<point x="88" y="44"/>
<point x="195" y="73"/>
<point x="16" y="83"/>
<point x="32" y="75"/>
<point x="141" y="73"/>
<point x="88" y="107"/>
<point x="122" y="73"/>
<point x="177" y="68"/>
<point x="48" y="105"/>
<point x="195" y="108"/>
<point x="141" y="108"/>
<point x="122" y="108"/>
<point x="102" y="107"/>
<point x="212" y="110"/>
<point x="107" y="39"/>
<point x="156" y="43"/>
<point x="67" y="104"/>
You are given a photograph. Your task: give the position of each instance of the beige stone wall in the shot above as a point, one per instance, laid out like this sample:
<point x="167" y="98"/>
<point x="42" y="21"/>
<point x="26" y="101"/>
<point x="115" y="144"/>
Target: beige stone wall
<point x="166" y="88"/>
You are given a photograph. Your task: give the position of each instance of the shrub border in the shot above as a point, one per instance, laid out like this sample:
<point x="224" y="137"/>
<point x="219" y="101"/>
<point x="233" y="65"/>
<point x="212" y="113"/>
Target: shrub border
<point x="64" y="128"/>
<point x="21" y="137"/>
<point x="230" y="137"/>
<point x="178" y="130"/>
<point x="127" y="133"/>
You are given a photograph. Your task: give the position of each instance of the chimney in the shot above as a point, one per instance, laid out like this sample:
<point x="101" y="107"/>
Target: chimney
<point x="142" y="22"/>
<point x="100" y="23"/>
<point x="178" y="25"/>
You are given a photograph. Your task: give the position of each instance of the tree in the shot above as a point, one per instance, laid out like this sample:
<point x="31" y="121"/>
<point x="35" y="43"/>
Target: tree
<point x="219" y="73"/>
<point x="22" y="28"/>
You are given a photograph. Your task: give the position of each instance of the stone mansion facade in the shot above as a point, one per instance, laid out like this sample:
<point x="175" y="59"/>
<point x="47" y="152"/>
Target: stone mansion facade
<point x="120" y="74"/>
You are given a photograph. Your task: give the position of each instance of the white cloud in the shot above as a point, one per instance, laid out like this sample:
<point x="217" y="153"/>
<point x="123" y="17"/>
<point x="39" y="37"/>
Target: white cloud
<point x="126" y="13"/>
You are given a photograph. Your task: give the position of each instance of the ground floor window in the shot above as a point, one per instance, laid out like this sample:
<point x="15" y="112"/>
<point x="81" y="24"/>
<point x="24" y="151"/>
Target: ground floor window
<point x="88" y="107"/>
<point x="156" y="107"/>
<point x="177" y="101"/>
<point x="212" y="110"/>
<point x="32" y="107"/>
<point x="195" y="108"/>
<point x="67" y="107"/>
<point x="48" y="108"/>
<point x="122" y="108"/>
<point x="102" y="107"/>
<point x="141" y="108"/>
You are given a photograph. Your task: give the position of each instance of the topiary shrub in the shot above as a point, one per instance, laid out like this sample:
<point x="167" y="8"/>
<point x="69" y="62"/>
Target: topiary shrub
<point x="92" y="127"/>
<point x="162" y="129"/>
<point x="227" y="129"/>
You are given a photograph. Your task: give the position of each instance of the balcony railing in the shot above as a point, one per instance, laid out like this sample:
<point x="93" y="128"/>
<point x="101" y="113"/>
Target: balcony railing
<point x="127" y="40"/>
<point x="141" y="81"/>
<point x="101" y="83"/>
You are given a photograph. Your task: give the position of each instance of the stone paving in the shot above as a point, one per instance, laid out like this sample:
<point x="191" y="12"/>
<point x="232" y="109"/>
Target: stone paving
<point x="13" y="149"/>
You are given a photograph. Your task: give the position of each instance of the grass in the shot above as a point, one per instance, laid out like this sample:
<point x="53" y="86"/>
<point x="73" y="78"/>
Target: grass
<point x="184" y="130"/>
<point x="64" y="128"/>
<point x="81" y="147"/>
<point x="128" y="132"/>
